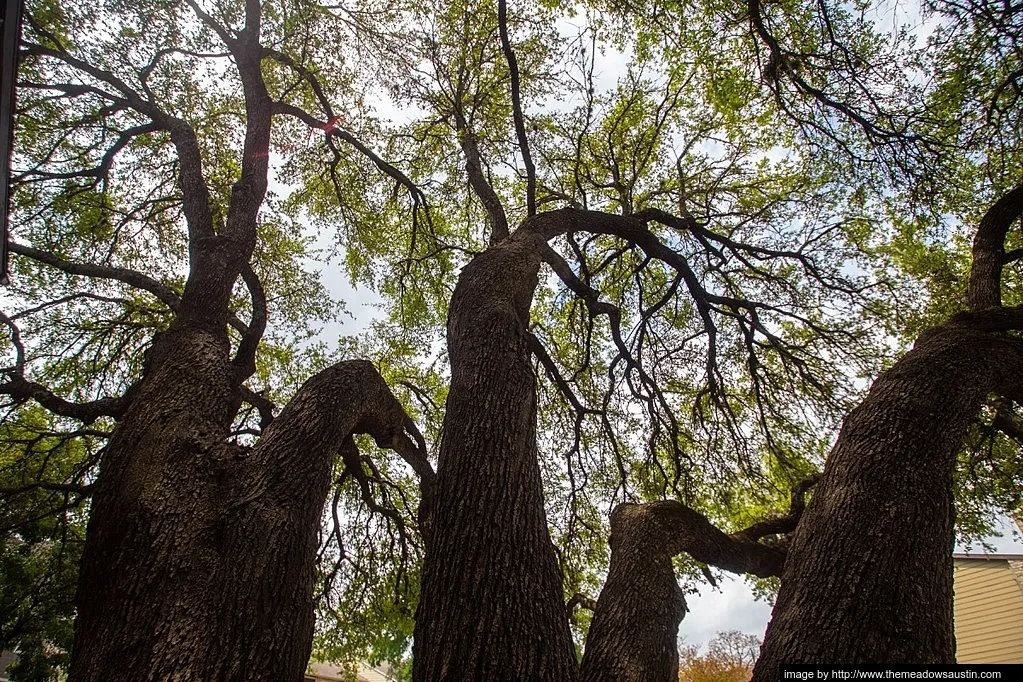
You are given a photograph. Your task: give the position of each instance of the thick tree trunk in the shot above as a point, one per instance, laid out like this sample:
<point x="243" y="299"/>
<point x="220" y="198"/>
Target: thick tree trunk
<point x="492" y="605"/>
<point x="868" y="577"/>
<point x="200" y="560"/>
<point x="634" y="633"/>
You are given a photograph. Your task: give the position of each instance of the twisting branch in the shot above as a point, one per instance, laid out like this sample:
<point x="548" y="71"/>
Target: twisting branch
<point x="628" y="637"/>
<point x="650" y="393"/>
<point x="195" y="192"/>
<point x="136" y="279"/>
<point x="307" y="75"/>
<point x="781" y="524"/>
<point x="19" y="348"/>
<point x="749" y="316"/>
<point x="212" y="23"/>
<point x="989" y="257"/>
<point x="331" y="127"/>
<point x="245" y="357"/>
<point x="555" y="374"/>
<point x="520" y="124"/>
<point x="478" y="181"/>
<point x="102" y="170"/>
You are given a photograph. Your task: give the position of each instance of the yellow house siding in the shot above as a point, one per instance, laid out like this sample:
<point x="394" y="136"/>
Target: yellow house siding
<point x="988" y="612"/>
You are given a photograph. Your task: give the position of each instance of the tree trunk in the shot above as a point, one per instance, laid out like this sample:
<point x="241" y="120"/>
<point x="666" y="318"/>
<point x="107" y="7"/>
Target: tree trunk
<point x="868" y="576"/>
<point x="200" y="560"/>
<point x="492" y="605"/>
<point x="634" y="633"/>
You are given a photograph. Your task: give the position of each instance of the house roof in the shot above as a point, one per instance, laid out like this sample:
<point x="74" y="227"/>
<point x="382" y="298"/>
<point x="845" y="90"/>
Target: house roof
<point x="331" y="673"/>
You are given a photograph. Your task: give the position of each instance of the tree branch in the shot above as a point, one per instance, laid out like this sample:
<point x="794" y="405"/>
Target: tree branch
<point x="478" y="181"/>
<point x="245" y="357"/>
<point x="332" y="129"/>
<point x="263" y="405"/>
<point x="520" y="125"/>
<point x="136" y="279"/>
<point x="20" y="389"/>
<point x="635" y="639"/>
<point x="161" y="291"/>
<point x="781" y="524"/>
<point x="582" y="601"/>
<point x="985" y="286"/>
<point x="72" y="488"/>
<point x="347" y="398"/>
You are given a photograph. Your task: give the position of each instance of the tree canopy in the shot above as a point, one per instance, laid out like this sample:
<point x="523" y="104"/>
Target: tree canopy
<point x="739" y="213"/>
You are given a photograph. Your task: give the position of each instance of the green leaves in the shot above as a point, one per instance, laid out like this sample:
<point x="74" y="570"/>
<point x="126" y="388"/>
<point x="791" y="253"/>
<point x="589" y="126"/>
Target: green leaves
<point x="42" y="530"/>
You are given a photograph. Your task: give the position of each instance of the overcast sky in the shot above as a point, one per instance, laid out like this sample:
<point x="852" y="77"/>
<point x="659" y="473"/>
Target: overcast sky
<point x="732" y="607"/>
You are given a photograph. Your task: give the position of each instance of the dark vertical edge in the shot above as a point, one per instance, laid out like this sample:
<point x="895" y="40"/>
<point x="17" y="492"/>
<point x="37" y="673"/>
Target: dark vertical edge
<point x="8" y="66"/>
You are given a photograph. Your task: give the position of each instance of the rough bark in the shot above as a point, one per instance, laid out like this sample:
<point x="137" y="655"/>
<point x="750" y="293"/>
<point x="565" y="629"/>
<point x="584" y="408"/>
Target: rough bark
<point x="634" y="631"/>
<point x="989" y="257"/>
<point x="633" y="636"/>
<point x="492" y="605"/>
<point x="200" y="560"/>
<point x="868" y="577"/>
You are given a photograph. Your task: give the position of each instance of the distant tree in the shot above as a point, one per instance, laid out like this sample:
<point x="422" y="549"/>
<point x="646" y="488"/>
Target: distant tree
<point x="729" y="658"/>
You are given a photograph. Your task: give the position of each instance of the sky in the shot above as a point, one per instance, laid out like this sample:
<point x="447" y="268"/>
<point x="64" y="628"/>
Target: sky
<point x="733" y="607"/>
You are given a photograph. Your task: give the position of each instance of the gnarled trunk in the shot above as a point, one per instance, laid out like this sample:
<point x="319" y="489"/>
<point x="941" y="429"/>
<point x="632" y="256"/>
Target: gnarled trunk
<point x="492" y="599"/>
<point x="634" y="633"/>
<point x="868" y="577"/>
<point x="200" y="560"/>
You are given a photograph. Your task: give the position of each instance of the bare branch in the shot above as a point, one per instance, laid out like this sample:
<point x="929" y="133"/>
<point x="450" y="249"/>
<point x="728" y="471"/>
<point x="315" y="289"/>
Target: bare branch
<point x="136" y="279"/>
<point x="520" y="125"/>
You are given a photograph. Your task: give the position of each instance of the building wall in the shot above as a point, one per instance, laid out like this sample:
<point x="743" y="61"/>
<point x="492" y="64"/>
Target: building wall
<point x="988" y="611"/>
<point x="322" y="672"/>
<point x="6" y="658"/>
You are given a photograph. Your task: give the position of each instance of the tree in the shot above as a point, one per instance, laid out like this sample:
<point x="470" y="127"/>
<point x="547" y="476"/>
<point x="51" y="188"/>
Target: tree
<point x="650" y="297"/>
<point x="44" y="531"/>
<point x="730" y="657"/>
